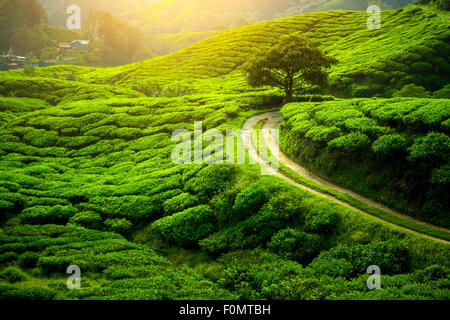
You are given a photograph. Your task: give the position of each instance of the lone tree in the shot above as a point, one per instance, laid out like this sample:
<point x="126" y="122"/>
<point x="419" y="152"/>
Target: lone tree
<point x="293" y="64"/>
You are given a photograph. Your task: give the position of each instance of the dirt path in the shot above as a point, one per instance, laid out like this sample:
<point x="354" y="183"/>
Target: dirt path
<point x="272" y="121"/>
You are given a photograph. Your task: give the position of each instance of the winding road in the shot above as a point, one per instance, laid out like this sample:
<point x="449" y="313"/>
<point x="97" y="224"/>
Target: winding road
<point x="271" y="121"/>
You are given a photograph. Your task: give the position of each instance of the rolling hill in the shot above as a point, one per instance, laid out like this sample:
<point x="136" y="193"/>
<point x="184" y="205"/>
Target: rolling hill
<point x="411" y="47"/>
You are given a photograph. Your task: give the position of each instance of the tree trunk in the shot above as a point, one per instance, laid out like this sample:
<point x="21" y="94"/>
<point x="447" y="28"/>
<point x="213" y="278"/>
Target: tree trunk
<point x="288" y="97"/>
<point x="289" y="91"/>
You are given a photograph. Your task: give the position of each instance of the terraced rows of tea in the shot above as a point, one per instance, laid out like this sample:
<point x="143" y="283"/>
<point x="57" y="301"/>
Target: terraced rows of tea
<point x="87" y="179"/>
<point x="401" y="146"/>
<point x="411" y="46"/>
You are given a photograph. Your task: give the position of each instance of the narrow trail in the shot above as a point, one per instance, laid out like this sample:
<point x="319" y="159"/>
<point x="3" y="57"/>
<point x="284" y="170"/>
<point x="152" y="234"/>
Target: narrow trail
<point x="272" y="121"/>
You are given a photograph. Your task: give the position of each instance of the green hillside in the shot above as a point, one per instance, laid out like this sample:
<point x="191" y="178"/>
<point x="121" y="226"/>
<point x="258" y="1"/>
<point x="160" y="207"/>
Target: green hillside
<point x="325" y="5"/>
<point x="87" y="179"/>
<point x="411" y="47"/>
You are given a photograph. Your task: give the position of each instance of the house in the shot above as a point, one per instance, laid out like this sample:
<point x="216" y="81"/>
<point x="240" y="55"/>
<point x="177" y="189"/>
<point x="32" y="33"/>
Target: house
<point x="74" y="46"/>
<point x="65" y="47"/>
<point x="82" y="45"/>
<point x="11" y="61"/>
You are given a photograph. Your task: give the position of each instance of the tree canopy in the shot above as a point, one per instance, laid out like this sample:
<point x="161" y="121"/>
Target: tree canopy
<point x="294" y="64"/>
<point x="15" y="14"/>
<point x="123" y="43"/>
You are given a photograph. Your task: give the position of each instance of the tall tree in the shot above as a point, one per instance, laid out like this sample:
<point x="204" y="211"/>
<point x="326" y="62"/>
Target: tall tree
<point x="293" y="64"/>
<point x="15" y="14"/>
<point x="122" y="41"/>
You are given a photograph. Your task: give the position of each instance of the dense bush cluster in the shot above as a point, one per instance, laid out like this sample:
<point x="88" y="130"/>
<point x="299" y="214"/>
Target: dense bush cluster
<point x="396" y="151"/>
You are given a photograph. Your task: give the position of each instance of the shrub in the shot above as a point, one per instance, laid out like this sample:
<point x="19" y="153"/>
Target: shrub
<point x="179" y="203"/>
<point x="28" y="259"/>
<point x="443" y="93"/>
<point x="187" y="227"/>
<point x="389" y="145"/>
<point x="287" y="206"/>
<point x="87" y="219"/>
<point x="332" y="267"/>
<point x="322" y="220"/>
<point x="391" y="256"/>
<point x="362" y="91"/>
<point x="7" y="257"/>
<point x="250" y="233"/>
<point x="352" y="142"/>
<point x="295" y="245"/>
<point x="41" y="138"/>
<point x="250" y="200"/>
<point x="412" y="90"/>
<point x="13" y="274"/>
<point x="210" y="181"/>
<point x="432" y="273"/>
<point x="431" y="148"/>
<point x="443" y="4"/>
<point x="47" y="215"/>
<point x="222" y="205"/>
<point x="10" y="293"/>
<point x="131" y="207"/>
<point x="121" y="226"/>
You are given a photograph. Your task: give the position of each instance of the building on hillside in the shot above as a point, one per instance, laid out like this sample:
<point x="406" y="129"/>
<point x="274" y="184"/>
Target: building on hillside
<point x="65" y="47"/>
<point x="81" y="45"/>
<point x="10" y="61"/>
<point x="74" y="46"/>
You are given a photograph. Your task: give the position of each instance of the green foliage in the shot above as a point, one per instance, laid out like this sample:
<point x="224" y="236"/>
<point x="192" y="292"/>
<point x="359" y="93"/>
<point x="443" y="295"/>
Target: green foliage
<point x="322" y="220"/>
<point x="389" y="145"/>
<point x="434" y="147"/>
<point x="10" y="293"/>
<point x="179" y="203"/>
<point x="121" y="226"/>
<point x="45" y="215"/>
<point x="252" y="232"/>
<point x="411" y="90"/>
<point x="87" y="219"/>
<point x="18" y="14"/>
<point x="187" y="227"/>
<point x="391" y="256"/>
<point x="89" y="150"/>
<point x="294" y="63"/>
<point x="250" y="200"/>
<point x="209" y="181"/>
<point x="28" y="259"/>
<point x="292" y="244"/>
<point x="8" y="257"/>
<point x="390" y="150"/>
<point x="122" y="41"/>
<point x="353" y="142"/>
<point x="12" y="274"/>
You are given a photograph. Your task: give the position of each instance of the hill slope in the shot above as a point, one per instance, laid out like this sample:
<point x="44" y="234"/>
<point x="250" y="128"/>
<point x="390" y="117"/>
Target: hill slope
<point x="411" y="47"/>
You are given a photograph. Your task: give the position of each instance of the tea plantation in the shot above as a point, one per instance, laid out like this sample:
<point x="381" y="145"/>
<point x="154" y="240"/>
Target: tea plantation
<point x="86" y="176"/>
